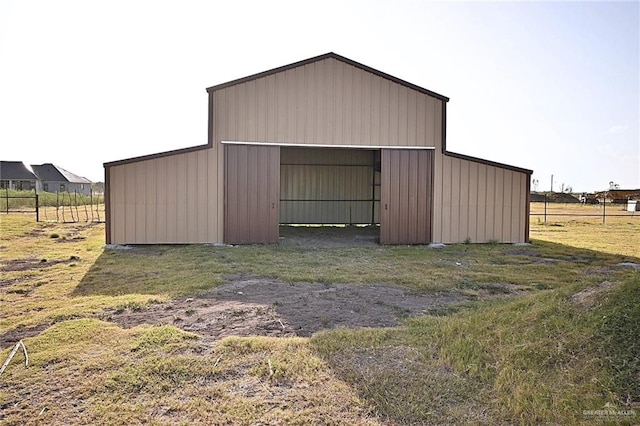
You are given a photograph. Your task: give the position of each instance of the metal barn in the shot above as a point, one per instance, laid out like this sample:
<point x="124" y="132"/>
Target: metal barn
<point x="323" y="141"/>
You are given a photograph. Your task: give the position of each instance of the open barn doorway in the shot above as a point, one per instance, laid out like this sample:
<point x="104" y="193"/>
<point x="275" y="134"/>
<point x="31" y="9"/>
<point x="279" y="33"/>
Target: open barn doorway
<point x="329" y="196"/>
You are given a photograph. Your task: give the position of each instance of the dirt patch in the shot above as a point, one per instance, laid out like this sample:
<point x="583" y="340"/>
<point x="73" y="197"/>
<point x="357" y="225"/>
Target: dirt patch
<point x="588" y="297"/>
<point x="11" y="337"/>
<point x="33" y="263"/>
<point x="248" y="306"/>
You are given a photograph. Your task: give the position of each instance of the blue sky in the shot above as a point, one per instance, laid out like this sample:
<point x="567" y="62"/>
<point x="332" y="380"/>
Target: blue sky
<point x="549" y="86"/>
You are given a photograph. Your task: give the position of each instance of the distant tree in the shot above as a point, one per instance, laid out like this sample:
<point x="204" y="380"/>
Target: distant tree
<point x="613" y="185"/>
<point x="98" y="187"/>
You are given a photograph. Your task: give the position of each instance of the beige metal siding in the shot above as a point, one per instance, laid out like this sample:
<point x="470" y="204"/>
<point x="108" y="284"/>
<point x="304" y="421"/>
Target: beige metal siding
<point x="252" y="187"/>
<point x="325" y="102"/>
<point x="164" y="200"/>
<point x="479" y="202"/>
<point x="406" y="202"/>
<point x="328" y="186"/>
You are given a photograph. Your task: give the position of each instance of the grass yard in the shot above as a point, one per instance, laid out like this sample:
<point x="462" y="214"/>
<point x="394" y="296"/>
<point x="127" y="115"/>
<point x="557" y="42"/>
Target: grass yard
<point x="545" y="333"/>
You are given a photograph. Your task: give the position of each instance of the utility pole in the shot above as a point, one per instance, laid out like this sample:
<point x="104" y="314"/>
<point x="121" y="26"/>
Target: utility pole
<point x="551" y="183"/>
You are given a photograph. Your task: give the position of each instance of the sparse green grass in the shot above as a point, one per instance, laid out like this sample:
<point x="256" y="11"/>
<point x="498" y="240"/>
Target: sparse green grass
<point x="539" y="358"/>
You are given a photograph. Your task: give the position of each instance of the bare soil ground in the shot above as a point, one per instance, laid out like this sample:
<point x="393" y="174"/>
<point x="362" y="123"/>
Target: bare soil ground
<point x="255" y="306"/>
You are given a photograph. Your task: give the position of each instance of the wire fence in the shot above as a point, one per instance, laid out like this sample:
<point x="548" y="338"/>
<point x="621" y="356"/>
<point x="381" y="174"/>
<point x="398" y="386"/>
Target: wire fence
<point x="66" y="207"/>
<point x="547" y="210"/>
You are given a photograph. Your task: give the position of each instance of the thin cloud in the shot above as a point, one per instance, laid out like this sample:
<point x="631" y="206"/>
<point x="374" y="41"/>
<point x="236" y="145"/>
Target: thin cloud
<point x="618" y="128"/>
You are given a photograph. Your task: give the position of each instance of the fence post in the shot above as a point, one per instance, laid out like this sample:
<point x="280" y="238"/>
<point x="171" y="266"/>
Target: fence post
<point x="545" y="208"/>
<point x="7" y="194"/>
<point x="604" y="209"/>
<point x="37" y="210"/>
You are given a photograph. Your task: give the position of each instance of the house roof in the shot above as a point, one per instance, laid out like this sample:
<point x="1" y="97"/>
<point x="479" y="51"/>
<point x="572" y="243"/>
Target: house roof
<point x="52" y="173"/>
<point x="321" y="58"/>
<point x="15" y="170"/>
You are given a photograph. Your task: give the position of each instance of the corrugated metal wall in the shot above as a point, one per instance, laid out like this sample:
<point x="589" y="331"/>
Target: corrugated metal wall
<point x="478" y="201"/>
<point x="406" y="201"/>
<point x="252" y="186"/>
<point x="326" y="102"/>
<point x="329" y="186"/>
<point x="165" y="200"/>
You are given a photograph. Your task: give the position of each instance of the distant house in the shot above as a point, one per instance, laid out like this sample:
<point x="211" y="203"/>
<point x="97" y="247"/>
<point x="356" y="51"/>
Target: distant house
<point x="52" y="178"/>
<point x="15" y="175"/>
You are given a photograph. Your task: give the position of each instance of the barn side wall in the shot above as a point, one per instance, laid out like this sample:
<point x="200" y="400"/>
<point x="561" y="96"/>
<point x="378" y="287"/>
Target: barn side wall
<point x="169" y="199"/>
<point x="479" y="202"/>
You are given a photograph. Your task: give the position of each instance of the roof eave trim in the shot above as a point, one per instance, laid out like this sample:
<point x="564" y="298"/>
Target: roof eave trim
<point x="487" y="162"/>
<point x="157" y="155"/>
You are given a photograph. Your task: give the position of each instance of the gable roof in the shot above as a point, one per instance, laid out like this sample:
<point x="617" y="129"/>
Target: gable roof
<point x="321" y="58"/>
<point x="15" y="170"/>
<point x="51" y="172"/>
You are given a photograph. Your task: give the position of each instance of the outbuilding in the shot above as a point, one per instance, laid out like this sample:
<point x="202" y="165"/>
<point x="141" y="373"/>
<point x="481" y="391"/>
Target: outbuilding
<point x="326" y="140"/>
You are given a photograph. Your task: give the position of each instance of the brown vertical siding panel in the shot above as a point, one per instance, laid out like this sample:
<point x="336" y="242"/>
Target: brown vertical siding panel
<point x="299" y="106"/>
<point x="202" y="195"/>
<point x="338" y="103"/>
<point x="433" y="123"/>
<point x="232" y="196"/>
<point x="447" y="203"/>
<point x="376" y="112"/>
<point x="385" y="111"/>
<point x="161" y="200"/>
<point x="232" y="112"/>
<point x="516" y="207"/>
<point x="429" y="196"/>
<point x="288" y="130"/>
<point x="465" y="183"/>
<point x="411" y="164"/>
<point x="366" y="108"/>
<point x="274" y="193"/>
<point x="151" y="194"/>
<point x="482" y="204"/>
<point x="219" y="183"/>
<point x="129" y="202"/>
<point x="171" y="189"/>
<point x="181" y="198"/>
<point x="108" y="226"/>
<point x="255" y="224"/>
<point x="403" y="112"/>
<point x="320" y="94"/>
<point x="308" y="106"/>
<point x="455" y="234"/>
<point x="491" y="204"/>
<point x="498" y="223"/>
<point x="192" y="197"/>
<point x="139" y="201"/>
<point x="473" y="201"/>
<point x="245" y="220"/>
<point x="213" y="194"/>
<point x="347" y="105"/>
<point x="524" y="210"/>
<point x="393" y="115"/>
<point x="260" y="109"/>
<point x="385" y="194"/>
<point x="421" y="119"/>
<point x="271" y="108"/>
<point x="116" y="198"/>
<point x="250" y="122"/>
<point x="329" y="104"/>
<point x="356" y="126"/>
<point x="506" y="205"/>
<point x="241" y="211"/>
